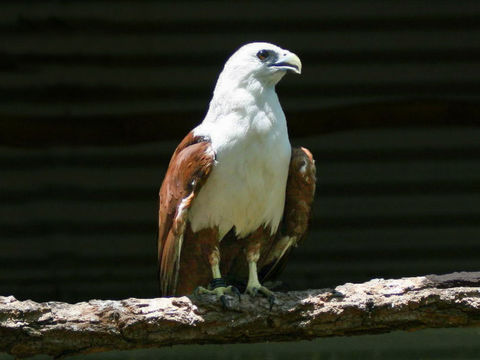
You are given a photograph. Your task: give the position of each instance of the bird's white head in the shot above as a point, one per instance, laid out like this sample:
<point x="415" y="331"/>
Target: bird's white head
<point x="260" y="62"/>
<point x="248" y="81"/>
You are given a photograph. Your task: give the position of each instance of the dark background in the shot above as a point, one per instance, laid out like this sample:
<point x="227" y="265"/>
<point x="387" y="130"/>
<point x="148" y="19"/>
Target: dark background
<point x="95" y="95"/>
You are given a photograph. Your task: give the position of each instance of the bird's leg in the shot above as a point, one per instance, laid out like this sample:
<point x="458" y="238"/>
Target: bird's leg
<point x="253" y="286"/>
<point x="217" y="286"/>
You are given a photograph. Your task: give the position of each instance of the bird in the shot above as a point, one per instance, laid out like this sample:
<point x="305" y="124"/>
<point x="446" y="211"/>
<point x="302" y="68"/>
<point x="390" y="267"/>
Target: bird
<point x="236" y="197"/>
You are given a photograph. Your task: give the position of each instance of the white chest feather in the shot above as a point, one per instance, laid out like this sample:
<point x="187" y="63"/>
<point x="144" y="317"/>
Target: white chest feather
<point x="246" y="188"/>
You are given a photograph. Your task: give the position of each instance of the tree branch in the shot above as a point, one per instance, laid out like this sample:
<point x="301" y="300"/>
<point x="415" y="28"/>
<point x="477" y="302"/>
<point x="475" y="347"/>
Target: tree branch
<point x="60" y="329"/>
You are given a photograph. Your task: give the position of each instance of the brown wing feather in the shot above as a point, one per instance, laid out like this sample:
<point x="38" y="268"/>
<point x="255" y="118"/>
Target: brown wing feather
<point x="296" y="216"/>
<point x="187" y="172"/>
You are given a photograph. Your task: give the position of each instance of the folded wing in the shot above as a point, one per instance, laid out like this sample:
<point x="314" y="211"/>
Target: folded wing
<point x="298" y="205"/>
<point x="188" y="170"/>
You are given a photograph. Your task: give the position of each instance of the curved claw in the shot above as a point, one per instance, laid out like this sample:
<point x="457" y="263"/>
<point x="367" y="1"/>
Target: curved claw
<point x="235" y="291"/>
<point x="254" y="291"/>
<point x="220" y="292"/>
<point x="271" y="301"/>
<point x="223" y="300"/>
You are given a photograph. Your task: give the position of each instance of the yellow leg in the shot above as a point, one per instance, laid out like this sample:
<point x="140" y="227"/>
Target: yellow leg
<point x="254" y="287"/>
<point x="218" y="285"/>
<point x="252" y="252"/>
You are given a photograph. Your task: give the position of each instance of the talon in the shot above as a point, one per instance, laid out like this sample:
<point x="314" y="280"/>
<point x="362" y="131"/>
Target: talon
<point x="216" y="288"/>
<point x="223" y="300"/>
<point x="235" y="291"/>
<point x="271" y="301"/>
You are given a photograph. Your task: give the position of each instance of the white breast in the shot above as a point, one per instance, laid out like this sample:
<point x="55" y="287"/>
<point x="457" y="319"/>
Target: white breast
<point x="246" y="188"/>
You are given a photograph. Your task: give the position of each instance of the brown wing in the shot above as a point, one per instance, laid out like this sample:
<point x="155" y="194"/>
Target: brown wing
<point x="296" y="216"/>
<point x="188" y="169"/>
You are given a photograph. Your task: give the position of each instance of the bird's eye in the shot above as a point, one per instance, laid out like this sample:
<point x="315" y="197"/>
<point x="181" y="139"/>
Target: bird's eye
<point x="263" y="54"/>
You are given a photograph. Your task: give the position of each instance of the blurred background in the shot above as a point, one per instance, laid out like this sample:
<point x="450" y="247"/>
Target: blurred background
<point x="96" y="94"/>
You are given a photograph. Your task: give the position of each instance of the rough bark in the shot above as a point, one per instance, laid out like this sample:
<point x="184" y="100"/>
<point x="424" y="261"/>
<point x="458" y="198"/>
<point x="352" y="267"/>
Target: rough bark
<point x="60" y="329"/>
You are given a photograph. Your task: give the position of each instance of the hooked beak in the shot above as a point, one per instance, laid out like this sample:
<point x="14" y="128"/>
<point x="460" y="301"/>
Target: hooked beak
<point x="288" y="61"/>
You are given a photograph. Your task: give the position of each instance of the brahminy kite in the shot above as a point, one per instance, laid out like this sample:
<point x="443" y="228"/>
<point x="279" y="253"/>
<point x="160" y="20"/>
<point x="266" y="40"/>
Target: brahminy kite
<point x="236" y="197"/>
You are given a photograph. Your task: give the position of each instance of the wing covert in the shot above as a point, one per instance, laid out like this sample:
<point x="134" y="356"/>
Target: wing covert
<point x="188" y="170"/>
<point x="299" y="196"/>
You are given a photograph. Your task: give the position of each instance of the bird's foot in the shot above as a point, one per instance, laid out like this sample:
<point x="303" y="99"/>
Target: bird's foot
<point x="219" y="288"/>
<point x="253" y="290"/>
